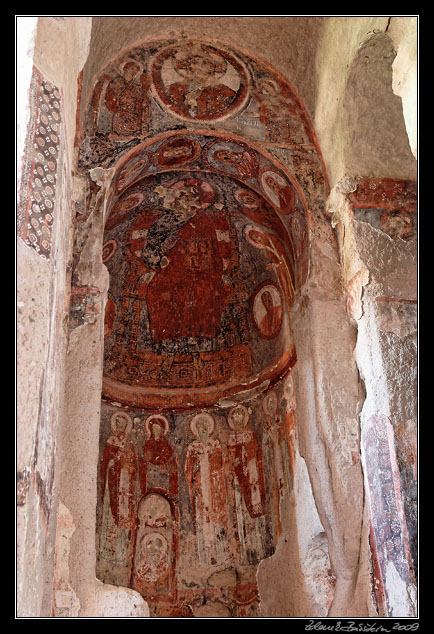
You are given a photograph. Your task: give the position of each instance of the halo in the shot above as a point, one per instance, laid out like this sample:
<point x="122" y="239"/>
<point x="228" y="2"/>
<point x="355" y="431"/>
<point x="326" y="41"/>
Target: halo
<point x="109" y="248"/>
<point x="185" y="53"/>
<point x="259" y="245"/>
<point x="241" y="196"/>
<point x="205" y="189"/>
<point x="129" y="202"/>
<point x="132" y="170"/>
<point x="271" y="82"/>
<point x="130" y="61"/>
<point x="178" y="142"/>
<point x="231" y="413"/>
<point x="269" y="403"/>
<point x="159" y="419"/>
<point x="258" y="310"/>
<point x="269" y="193"/>
<point x="208" y="417"/>
<point x="123" y="416"/>
<point x="147" y="538"/>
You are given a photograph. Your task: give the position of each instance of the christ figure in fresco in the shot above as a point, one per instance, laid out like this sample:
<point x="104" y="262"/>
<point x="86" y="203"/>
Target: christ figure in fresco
<point x="200" y="94"/>
<point x="205" y="474"/>
<point x="188" y="253"/>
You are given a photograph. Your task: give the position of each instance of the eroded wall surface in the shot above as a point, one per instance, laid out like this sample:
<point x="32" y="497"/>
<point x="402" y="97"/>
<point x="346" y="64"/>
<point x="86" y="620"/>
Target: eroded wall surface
<point x="379" y="260"/>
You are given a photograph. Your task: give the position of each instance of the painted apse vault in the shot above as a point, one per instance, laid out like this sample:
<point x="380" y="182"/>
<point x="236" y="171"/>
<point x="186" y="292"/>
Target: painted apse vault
<point x="206" y="243"/>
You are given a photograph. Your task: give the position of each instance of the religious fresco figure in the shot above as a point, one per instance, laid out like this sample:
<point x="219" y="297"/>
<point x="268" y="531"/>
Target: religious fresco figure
<point x="197" y="81"/>
<point x="178" y="151"/>
<point x="277" y="190"/>
<point x="118" y="473"/>
<point x="158" y="467"/>
<point x="242" y="161"/>
<point x="204" y="470"/>
<point x="247" y="486"/>
<point x="155" y="547"/>
<point x="130" y="322"/>
<point x="128" y="175"/>
<point x="126" y="99"/>
<point x="274" y="111"/>
<point x="268" y="310"/>
<point x="188" y="255"/>
<point x="276" y="453"/>
<point x="91" y="126"/>
<point x="231" y="157"/>
<point x="273" y="422"/>
<point x="279" y="259"/>
<point x="153" y="565"/>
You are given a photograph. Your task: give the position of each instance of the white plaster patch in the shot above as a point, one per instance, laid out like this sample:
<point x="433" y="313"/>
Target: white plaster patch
<point x="401" y="597"/>
<point x="119" y="602"/>
<point x="66" y="603"/>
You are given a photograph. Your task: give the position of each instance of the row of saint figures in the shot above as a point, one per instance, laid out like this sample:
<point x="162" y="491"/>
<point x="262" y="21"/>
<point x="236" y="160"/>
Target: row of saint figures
<point x="233" y="494"/>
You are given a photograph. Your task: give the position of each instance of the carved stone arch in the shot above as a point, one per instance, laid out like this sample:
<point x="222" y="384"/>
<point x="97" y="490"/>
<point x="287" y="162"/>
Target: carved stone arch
<point x="269" y="222"/>
<point x="199" y="317"/>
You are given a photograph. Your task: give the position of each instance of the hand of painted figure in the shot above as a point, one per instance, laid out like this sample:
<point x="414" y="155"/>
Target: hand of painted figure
<point x="164" y="262"/>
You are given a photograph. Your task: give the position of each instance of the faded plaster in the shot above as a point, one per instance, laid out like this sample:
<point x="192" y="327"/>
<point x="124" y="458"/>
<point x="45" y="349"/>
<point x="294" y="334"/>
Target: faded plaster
<point x="342" y="41"/>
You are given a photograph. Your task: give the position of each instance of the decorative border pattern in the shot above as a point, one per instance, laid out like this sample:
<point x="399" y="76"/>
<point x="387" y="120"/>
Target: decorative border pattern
<point x="37" y="200"/>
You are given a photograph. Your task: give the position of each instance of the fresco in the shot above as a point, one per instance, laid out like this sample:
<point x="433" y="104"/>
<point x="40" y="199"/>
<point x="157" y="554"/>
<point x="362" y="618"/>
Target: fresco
<point x="197" y="81"/>
<point x="158" y="85"/>
<point x="188" y="503"/>
<point x="167" y="86"/>
<point x="388" y="527"/>
<point x="389" y="204"/>
<point x="206" y="242"/>
<point x="200" y="287"/>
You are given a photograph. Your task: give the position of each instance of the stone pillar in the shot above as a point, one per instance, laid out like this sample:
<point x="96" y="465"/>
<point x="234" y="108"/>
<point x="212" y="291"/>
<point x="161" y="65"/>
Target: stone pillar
<point x="79" y="439"/>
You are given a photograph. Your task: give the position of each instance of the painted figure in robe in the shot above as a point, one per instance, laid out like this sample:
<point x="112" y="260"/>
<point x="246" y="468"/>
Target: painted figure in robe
<point x="205" y="473"/>
<point x="155" y="548"/>
<point x="187" y="254"/>
<point x="277" y="454"/>
<point x="118" y="473"/>
<point x="126" y="99"/>
<point x="272" y="320"/>
<point x="158" y="467"/>
<point x="274" y="111"/>
<point x="279" y="259"/>
<point x="246" y="477"/>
